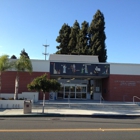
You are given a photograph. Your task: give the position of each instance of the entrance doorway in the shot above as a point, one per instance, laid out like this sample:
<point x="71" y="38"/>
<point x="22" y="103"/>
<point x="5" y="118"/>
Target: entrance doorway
<point x="73" y="91"/>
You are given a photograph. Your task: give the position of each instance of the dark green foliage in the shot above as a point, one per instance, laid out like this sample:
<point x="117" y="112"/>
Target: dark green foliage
<point x="87" y="40"/>
<point x="5" y="64"/>
<point x="63" y="39"/>
<point x="44" y="84"/>
<point x="97" y="37"/>
<point x="23" y="53"/>
<point x="82" y="45"/>
<point x="23" y="64"/>
<point x="74" y="38"/>
<point x="13" y="57"/>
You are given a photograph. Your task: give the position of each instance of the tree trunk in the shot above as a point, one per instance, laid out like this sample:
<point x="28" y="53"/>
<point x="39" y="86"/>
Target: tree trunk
<point x="43" y="102"/>
<point x="16" y="87"/>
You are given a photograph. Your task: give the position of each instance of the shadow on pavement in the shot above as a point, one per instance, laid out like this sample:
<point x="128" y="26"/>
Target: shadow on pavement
<point x="2" y="109"/>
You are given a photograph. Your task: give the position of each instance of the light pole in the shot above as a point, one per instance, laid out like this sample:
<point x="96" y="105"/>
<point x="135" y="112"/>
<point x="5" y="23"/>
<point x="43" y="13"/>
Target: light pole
<point x="69" y="94"/>
<point x="69" y="97"/>
<point x="45" y="50"/>
<point x="34" y="98"/>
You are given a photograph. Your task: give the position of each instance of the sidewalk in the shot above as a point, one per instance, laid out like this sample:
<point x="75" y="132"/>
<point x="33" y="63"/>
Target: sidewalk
<point x="83" y="109"/>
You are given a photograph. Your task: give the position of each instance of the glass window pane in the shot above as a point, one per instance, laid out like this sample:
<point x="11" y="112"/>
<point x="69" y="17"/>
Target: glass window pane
<point x="97" y="89"/>
<point x="66" y="94"/>
<point x="84" y="95"/>
<point x="60" y="95"/>
<point x="67" y="88"/>
<point x="72" y="88"/>
<point x="78" y="89"/>
<point x="78" y="95"/>
<point x="61" y="88"/>
<point x="83" y="89"/>
<point x="72" y="95"/>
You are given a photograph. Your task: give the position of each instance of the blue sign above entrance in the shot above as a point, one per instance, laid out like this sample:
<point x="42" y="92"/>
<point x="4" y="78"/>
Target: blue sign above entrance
<point x="79" y="69"/>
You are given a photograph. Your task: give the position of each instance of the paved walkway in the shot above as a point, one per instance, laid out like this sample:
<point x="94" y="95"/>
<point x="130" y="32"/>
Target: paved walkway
<point x="107" y="109"/>
<point x="5" y="112"/>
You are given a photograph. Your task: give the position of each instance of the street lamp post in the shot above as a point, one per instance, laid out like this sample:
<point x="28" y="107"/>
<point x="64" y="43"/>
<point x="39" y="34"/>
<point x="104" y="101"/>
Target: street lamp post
<point x="69" y="98"/>
<point x="69" y="94"/>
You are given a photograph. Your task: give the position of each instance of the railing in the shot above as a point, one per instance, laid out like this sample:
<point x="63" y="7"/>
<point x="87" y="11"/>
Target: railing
<point x="101" y="98"/>
<point x="134" y="98"/>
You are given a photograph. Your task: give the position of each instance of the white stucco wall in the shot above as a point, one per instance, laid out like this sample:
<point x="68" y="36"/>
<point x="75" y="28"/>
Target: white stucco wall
<point x="124" y="69"/>
<point x="12" y="104"/>
<point x="73" y="58"/>
<point x="40" y="65"/>
<point x="28" y="95"/>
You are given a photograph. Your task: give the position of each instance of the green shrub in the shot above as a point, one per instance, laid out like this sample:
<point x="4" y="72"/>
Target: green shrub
<point x="11" y="99"/>
<point x="21" y="98"/>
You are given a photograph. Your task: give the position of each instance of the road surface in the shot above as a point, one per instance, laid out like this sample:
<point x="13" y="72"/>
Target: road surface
<point x="69" y="128"/>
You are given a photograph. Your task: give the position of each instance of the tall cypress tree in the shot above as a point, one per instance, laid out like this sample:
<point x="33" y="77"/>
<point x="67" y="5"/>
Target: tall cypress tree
<point x="24" y="53"/>
<point x="13" y="57"/>
<point x="63" y="39"/>
<point x="97" y="37"/>
<point x="74" y="37"/>
<point x="82" y="45"/>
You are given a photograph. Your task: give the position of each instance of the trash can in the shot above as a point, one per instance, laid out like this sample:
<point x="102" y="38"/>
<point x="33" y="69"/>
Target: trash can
<point x="27" y="107"/>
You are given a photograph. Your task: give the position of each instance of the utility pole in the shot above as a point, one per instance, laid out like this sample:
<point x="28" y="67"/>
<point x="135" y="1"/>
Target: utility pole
<point x="45" y="50"/>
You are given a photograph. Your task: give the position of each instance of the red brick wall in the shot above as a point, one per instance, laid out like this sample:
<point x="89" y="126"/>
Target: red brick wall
<point x="8" y="81"/>
<point x="114" y="88"/>
<point x="41" y="96"/>
<point x="121" y="87"/>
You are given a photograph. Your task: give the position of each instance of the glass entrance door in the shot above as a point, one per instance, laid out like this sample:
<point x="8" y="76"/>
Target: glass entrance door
<point x="81" y="91"/>
<point x="75" y="91"/>
<point x="69" y="91"/>
<point x="66" y="91"/>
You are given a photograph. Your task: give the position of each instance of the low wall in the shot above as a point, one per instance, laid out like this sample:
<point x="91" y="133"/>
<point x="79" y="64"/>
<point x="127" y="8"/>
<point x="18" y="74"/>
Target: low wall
<point x="11" y="103"/>
<point x="24" y="95"/>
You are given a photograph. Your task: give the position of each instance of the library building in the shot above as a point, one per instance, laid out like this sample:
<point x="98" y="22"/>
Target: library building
<point x="81" y="77"/>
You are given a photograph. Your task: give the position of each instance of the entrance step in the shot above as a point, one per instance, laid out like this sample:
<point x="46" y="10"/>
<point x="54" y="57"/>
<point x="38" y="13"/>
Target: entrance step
<point x="89" y="106"/>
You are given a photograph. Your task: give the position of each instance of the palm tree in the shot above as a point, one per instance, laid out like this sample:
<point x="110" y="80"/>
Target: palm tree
<point x="5" y="64"/>
<point x="22" y="64"/>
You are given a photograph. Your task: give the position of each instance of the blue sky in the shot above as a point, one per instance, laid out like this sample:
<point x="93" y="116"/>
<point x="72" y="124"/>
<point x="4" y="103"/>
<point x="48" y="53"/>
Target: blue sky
<point x="27" y="24"/>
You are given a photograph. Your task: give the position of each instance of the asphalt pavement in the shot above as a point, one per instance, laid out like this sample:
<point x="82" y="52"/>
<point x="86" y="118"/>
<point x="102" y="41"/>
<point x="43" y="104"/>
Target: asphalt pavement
<point x="69" y="128"/>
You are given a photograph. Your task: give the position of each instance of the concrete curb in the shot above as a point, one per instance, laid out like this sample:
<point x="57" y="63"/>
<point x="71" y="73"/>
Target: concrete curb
<point x="74" y="115"/>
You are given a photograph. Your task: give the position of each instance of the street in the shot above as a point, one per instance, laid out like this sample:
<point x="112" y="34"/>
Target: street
<point x="69" y="128"/>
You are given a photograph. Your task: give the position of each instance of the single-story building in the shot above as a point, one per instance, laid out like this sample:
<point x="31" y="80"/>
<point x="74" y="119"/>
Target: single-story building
<point x="81" y="77"/>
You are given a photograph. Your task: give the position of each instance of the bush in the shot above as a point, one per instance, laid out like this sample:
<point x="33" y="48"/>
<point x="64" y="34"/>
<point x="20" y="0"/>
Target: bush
<point x="21" y="98"/>
<point x="11" y="99"/>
